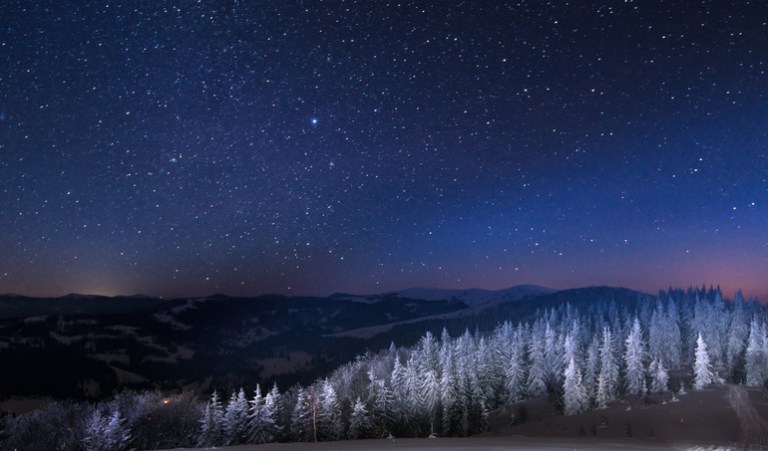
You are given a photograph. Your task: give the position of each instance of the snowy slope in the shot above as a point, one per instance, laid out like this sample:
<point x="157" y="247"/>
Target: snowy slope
<point x="473" y="297"/>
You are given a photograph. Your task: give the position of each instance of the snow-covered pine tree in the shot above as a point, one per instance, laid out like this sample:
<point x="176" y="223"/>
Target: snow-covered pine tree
<point x="270" y="411"/>
<point x="302" y="427"/>
<point x="106" y="432"/>
<point x="212" y="423"/>
<point x="608" y="379"/>
<point x="553" y="357"/>
<point x="380" y="400"/>
<point x="449" y="395"/>
<point x="261" y="418"/>
<point x="93" y="440"/>
<point x="360" y="425"/>
<point x="536" y="382"/>
<point x="236" y="419"/>
<point x="431" y="396"/>
<point x="514" y="376"/>
<point x="399" y="390"/>
<point x="329" y="421"/>
<point x="633" y="361"/>
<point x="205" y="436"/>
<point x="755" y="354"/>
<point x="591" y="369"/>
<point x="672" y="357"/>
<point x="117" y="434"/>
<point x="575" y="399"/>
<point x="702" y="369"/>
<point x="656" y="332"/>
<point x="659" y="376"/>
<point x="738" y="330"/>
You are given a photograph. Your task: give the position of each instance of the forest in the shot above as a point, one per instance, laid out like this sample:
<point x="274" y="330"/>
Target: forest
<point x="582" y="355"/>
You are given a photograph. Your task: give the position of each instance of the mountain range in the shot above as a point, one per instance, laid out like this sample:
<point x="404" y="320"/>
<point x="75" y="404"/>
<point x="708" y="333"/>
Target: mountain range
<point x="88" y="347"/>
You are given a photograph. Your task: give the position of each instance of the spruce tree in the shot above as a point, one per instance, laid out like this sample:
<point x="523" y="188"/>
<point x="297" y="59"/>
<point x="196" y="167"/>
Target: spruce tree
<point x="575" y="398"/>
<point x="608" y="379"/>
<point x="360" y="425"/>
<point x="659" y="376"/>
<point x="236" y="419"/>
<point x="702" y="369"/>
<point x="634" y="356"/>
<point x="536" y="382"/>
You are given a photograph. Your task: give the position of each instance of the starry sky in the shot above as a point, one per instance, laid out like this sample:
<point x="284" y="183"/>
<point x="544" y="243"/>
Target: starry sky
<point x="184" y="148"/>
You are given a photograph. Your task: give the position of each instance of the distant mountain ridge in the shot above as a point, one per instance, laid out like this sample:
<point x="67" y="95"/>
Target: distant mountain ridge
<point x="100" y="344"/>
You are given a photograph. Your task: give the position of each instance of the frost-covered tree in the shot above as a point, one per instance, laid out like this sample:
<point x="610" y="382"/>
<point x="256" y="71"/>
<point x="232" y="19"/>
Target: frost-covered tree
<point x="633" y="361"/>
<point x="536" y="382"/>
<point x="608" y="379"/>
<point x="702" y="369"/>
<point x="329" y="422"/>
<point x="212" y="423"/>
<point x="236" y="419"/>
<point x="262" y="416"/>
<point x="302" y="417"/>
<point x="381" y="405"/>
<point x="360" y="425"/>
<point x="553" y="357"/>
<point x="755" y="354"/>
<point x="430" y="393"/>
<point x="106" y="432"/>
<point x="270" y="412"/>
<point x="738" y="331"/>
<point x="514" y="381"/>
<point x="575" y="399"/>
<point x="591" y="369"/>
<point x="659" y="376"/>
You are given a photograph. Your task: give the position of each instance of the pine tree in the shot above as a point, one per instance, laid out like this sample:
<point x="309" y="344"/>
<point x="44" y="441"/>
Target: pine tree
<point x="360" y="425"/>
<point x="430" y="392"/>
<point x="536" y="383"/>
<point x="302" y="428"/>
<point x="657" y="334"/>
<point x="659" y="376"/>
<point x="635" y="370"/>
<point x="575" y="398"/>
<point x="591" y="369"/>
<point x="329" y="422"/>
<point x="513" y="376"/>
<point x="755" y="354"/>
<point x="608" y="379"/>
<point x="212" y="423"/>
<point x="205" y="437"/>
<point x="236" y="419"/>
<point x="672" y="357"/>
<point x="702" y="369"/>
<point x="117" y="434"/>
<point x="261" y="418"/>
<point x="737" y="340"/>
<point x="106" y="432"/>
<point x="381" y="405"/>
<point x="399" y="390"/>
<point x="449" y="396"/>
<point x="553" y="357"/>
<point x="270" y="411"/>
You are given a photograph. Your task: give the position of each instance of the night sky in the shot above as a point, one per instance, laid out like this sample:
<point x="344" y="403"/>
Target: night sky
<point x="307" y="147"/>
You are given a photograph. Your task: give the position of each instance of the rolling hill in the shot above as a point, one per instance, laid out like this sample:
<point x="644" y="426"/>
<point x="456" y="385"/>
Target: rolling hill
<point x="90" y="346"/>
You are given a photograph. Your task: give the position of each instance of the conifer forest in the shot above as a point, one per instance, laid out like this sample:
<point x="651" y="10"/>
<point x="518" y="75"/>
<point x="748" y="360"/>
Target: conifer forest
<point x="581" y="355"/>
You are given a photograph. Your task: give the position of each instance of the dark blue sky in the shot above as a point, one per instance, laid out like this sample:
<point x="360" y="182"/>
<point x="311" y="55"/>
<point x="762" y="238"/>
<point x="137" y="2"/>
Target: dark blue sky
<point x="187" y="148"/>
